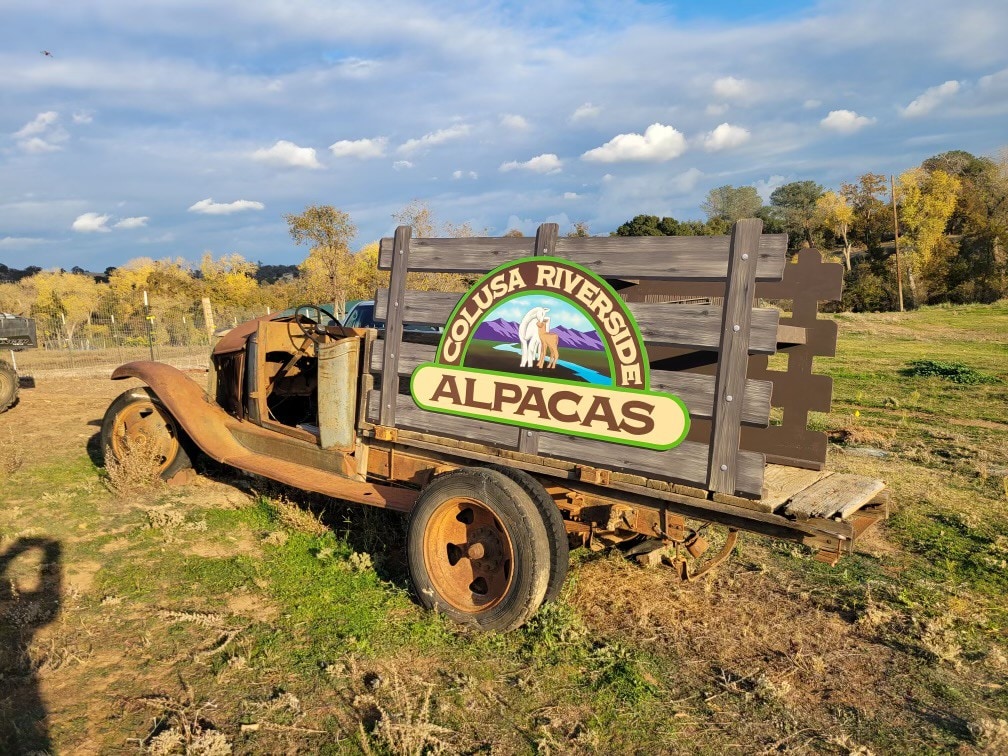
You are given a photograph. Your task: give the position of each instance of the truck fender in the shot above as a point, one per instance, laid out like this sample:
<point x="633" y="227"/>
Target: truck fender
<point x="200" y="417"/>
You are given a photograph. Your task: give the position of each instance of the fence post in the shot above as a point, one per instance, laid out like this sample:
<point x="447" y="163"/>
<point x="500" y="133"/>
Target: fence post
<point x="208" y="316"/>
<point x="150" y="328"/>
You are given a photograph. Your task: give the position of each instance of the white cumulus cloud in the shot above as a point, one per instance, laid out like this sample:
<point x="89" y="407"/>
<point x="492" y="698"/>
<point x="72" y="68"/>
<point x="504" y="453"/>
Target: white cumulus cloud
<point x="514" y="122"/>
<point x="845" y="121"/>
<point x="434" y="138"/>
<point x="402" y="165"/>
<point x="135" y="222"/>
<point x="725" y="137"/>
<point x="730" y="88"/>
<point x="89" y="223"/>
<point x="931" y="98"/>
<point x="209" y="207"/>
<point x="288" y="155"/>
<point x="571" y="195"/>
<point x="465" y="174"/>
<point x="83" y="116"/>
<point x="657" y="144"/>
<point x="363" y="149"/>
<point x="547" y="163"/>
<point x="584" y="112"/>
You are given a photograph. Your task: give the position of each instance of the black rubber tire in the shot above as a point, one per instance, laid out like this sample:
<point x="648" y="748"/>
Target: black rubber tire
<point x="519" y="517"/>
<point x="555" y="529"/>
<point x="143" y="394"/>
<point x="9" y="386"/>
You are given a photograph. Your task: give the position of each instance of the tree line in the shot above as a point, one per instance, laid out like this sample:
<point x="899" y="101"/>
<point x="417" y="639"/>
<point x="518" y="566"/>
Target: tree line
<point x="949" y="221"/>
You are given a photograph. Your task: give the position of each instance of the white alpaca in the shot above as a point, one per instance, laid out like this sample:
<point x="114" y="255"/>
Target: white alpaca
<point x="528" y="334"/>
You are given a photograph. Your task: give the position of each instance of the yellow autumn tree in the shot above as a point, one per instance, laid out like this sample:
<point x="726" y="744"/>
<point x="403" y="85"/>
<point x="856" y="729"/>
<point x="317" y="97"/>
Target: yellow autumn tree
<point x="327" y="231"/>
<point x="229" y="281"/>
<point x="64" y="302"/>
<point x="834" y="212"/>
<point x="926" y="201"/>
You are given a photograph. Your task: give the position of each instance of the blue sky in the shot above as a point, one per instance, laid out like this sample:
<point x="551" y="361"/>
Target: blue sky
<point x="165" y="129"/>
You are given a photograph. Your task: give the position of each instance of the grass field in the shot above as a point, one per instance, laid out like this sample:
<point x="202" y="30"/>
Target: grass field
<point x="231" y="615"/>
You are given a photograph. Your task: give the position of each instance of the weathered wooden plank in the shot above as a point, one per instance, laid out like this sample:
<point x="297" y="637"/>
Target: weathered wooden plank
<point x="756" y="505"/>
<point x="696" y="391"/>
<point x="686" y="462"/>
<point x="833" y="494"/>
<point x="699" y="326"/>
<point x="640" y="257"/>
<point x="789" y="334"/>
<point x="662" y="324"/>
<point x="394" y="301"/>
<point x="408" y="415"/>
<point x="781" y="482"/>
<point x="465" y="255"/>
<point x="731" y="369"/>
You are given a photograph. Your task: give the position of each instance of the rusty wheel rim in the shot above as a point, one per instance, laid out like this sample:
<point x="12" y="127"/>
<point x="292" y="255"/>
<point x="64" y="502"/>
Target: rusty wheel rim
<point x="468" y="554"/>
<point x="145" y="421"/>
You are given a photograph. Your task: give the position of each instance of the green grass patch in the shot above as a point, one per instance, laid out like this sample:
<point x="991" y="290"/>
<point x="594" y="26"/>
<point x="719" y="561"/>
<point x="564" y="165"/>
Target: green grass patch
<point x="956" y="372"/>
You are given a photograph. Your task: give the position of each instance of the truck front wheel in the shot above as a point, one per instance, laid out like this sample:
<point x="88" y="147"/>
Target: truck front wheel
<point x="137" y="416"/>
<point x="479" y="550"/>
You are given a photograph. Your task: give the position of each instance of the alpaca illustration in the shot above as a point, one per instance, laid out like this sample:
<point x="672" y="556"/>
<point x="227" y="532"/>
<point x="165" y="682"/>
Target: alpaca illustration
<point x="550" y="343"/>
<point x="528" y="334"/>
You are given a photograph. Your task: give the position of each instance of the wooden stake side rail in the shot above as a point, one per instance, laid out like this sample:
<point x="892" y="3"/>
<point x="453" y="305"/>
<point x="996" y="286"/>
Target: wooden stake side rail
<point x="796" y="390"/>
<point x="642" y="257"/>
<point x="735" y="331"/>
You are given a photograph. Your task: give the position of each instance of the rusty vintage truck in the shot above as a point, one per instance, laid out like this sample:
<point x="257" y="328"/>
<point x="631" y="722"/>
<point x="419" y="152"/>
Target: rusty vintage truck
<point x="581" y="391"/>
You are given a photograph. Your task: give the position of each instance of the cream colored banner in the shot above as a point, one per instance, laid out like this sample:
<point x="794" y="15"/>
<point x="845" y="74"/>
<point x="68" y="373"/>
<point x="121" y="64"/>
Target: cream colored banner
<point x="625" y="416"/>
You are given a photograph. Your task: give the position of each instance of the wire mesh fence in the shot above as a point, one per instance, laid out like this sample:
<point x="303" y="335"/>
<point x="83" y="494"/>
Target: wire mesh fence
<point x="93" y="341"/>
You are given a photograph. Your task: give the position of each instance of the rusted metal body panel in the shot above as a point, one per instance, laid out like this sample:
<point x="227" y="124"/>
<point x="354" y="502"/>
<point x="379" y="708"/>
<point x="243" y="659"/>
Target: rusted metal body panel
<point x="210" y="428"/>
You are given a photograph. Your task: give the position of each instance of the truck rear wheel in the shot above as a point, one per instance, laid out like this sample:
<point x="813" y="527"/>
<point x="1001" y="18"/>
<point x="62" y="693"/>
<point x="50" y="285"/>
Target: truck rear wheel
<point x="8" y="386"/>
<point x="479" y="550"/>
<point x="555" y="529"/>
<point x="136" y="415"/>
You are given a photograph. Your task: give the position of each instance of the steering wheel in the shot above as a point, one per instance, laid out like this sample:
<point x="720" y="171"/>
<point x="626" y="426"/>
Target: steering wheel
<point x="311" y="328"/>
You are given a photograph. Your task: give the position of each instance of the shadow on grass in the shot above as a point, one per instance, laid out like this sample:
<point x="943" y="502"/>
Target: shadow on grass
<point x="27" y="562"/>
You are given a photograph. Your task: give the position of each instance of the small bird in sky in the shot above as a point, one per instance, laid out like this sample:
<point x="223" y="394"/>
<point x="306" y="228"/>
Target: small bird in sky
<point x="46" y="53"/>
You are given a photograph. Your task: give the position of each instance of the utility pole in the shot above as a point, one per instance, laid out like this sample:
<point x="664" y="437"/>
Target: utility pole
<point x="895" y="224"/>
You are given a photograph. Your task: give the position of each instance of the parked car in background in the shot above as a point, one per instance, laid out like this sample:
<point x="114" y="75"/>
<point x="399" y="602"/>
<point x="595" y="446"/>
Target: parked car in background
<point x="361" y="315"/>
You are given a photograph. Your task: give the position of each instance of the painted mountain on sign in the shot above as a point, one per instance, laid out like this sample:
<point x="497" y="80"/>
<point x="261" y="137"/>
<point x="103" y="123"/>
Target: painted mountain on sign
<point x="507" y="332"/>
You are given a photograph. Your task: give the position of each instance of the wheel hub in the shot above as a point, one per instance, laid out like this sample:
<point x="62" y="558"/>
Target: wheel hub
<point x="468" y="555"/>
<point x="145" y="425"/>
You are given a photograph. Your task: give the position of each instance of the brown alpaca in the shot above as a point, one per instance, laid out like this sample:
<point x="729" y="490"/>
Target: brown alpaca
<point x="550" y="342"/>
